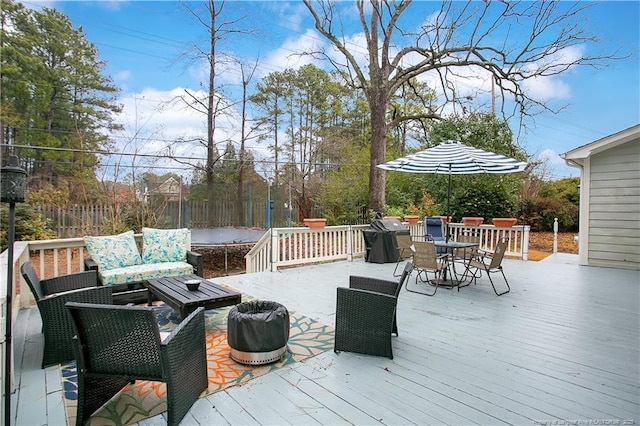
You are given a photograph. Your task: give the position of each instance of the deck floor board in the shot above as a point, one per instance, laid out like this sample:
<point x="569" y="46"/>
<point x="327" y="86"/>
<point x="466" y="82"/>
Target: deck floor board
<point x="564" y="345"/>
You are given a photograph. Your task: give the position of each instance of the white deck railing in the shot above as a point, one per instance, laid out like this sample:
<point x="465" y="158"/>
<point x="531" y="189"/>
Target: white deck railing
<point x="298" y="246"/>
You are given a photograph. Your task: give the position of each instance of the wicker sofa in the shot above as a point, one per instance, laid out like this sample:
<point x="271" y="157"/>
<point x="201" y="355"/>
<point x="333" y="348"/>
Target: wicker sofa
<point x="120" y="265"/>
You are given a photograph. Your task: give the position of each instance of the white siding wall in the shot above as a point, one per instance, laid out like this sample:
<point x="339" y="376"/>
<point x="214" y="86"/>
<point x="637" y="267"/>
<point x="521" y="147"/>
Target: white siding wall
<point x="614" y="207"/>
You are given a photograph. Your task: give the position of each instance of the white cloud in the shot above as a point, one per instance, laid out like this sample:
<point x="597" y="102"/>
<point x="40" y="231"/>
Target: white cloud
<point x="550" y="156"/>
<point x="288" y="55"/>
<point x="545" y="89"/>
<point x="157" y="121"/>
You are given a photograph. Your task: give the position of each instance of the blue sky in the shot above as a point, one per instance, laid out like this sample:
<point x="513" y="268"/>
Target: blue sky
<point x="143" y="42"/>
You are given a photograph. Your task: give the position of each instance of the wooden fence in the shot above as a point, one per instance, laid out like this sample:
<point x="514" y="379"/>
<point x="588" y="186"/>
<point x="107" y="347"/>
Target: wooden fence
<point x="77" y="220"/>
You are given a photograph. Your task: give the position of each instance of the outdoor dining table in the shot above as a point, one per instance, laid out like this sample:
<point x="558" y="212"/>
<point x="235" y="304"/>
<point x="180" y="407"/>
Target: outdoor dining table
<point x="452" y="246"/>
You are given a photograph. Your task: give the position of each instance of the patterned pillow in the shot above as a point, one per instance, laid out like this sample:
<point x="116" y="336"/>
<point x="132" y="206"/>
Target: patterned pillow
<point x="164" y="245"/>
<point x="113" y="251"/>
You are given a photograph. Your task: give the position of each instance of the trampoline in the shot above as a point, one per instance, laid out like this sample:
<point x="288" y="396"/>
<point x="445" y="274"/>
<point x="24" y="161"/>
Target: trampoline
<point x="225" y="236"/>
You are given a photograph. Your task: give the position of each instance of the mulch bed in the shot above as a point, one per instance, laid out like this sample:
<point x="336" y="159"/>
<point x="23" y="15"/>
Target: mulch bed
<point x="541" y="244"/>
<point x="221" y="261"/>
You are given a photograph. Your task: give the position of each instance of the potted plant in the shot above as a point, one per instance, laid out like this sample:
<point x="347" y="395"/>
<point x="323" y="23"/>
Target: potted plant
<point x="411" y="218"/>
<point x="315" y="223"/>
<point x="472" y="221"/>
<point x="445" y="220"/>
<point x="504" y="222"/>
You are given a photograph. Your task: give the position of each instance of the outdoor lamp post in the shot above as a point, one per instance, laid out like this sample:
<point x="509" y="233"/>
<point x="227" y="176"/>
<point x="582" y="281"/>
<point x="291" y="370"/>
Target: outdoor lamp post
<point x="13" y="182"/>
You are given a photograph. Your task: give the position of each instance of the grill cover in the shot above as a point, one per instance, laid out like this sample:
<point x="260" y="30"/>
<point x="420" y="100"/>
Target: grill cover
<point x="380" y="240"/>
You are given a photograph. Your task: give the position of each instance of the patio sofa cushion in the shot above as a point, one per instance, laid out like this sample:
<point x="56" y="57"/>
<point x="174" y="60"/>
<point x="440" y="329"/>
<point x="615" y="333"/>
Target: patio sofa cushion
<point x="164" y="254"/>
<point x="164" y="245"/>
<point x="113" y="251"/>
<point x="144" y="272"/>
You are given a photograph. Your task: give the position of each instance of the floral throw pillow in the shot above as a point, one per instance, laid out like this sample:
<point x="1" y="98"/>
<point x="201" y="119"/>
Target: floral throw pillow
<point x="164" y="245"/>
<point x="113" y="251"/>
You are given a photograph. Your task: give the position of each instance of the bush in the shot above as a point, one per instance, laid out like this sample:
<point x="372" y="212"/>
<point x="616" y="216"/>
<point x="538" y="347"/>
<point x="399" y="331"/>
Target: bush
<point x="29" y="226"/>
<point x="542" y="211"/>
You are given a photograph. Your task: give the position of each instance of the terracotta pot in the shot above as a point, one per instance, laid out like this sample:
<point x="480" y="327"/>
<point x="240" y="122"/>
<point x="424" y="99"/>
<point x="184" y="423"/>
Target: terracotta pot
<point x="504" y="222"/>
<point x="315" y="223"/>
<point x="444" y="219"/>
<point x="472" y="221"/>
<point x="412" y="219"/>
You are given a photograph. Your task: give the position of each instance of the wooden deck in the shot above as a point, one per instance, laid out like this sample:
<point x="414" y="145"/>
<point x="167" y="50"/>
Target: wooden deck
<point x="562" y="347"/>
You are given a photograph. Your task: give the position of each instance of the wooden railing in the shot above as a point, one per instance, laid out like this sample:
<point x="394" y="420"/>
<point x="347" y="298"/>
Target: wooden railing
<point x="298" y="246"/>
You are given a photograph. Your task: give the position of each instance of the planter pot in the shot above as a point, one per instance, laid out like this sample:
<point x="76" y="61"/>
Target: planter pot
<point x="315" y="223"/>
<point x="504" y="222"/>
<point x="472" y="221"/>
<point x="392" y="217"/>
<point x="444" y="219"/>
<point x="412" y="219"/>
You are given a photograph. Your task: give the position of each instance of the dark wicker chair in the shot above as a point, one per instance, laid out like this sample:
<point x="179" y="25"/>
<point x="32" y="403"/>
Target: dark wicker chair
<point x="366" y="314"/>
<point x="50" y="296"/>
<point x="116" y="345"/>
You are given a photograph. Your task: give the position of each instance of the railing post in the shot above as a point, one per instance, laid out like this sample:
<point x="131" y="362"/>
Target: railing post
<point x="525" y="242"/>
<point x="555" y="235"/>
<point x="350" y="244"/>
<point x="275" y="249"/>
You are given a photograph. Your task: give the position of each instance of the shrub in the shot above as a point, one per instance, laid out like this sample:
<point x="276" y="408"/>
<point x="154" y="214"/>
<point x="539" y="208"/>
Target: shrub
<point x="29" y="226"/>
<point x="542" y="211"/>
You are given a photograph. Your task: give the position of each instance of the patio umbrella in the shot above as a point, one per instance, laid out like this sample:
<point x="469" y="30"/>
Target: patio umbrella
<point x="454" y="158"/>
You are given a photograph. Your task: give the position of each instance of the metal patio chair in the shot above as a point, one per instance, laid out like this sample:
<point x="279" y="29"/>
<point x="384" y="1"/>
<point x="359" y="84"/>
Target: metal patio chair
<point x="366" y="314"/>
<point x="116" y="345"/>
<point x="50" y="296"/>
<point x="434" y="230"/>
<point x="427" y="261"/>
<point x="405" y="250"/>
<point x="491" y="263"/>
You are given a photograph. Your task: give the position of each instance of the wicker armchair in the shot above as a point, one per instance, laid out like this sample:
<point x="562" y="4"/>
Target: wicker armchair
<point x="116" y="345"/>
<point x="366" y="314"/>
<point x="50" y="296"/>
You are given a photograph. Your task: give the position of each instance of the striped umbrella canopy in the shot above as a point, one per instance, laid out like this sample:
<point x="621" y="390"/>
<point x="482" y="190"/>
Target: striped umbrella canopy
<point x="454" y="158"/>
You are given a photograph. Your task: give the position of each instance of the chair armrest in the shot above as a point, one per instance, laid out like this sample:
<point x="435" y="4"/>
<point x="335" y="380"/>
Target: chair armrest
<point x="195" y="259"/>
<point x="373" y="284"/>
<point x="100" y="294"/>
<point x="90" y="264"/>
<point x="483" y="254"/>
<point x="187" y="340"/>
<point x="69" y="282"/>
<point x="53" y="310"/>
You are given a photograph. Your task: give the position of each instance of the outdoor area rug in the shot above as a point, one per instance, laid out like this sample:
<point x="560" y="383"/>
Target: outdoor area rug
<point x="144" y="399"/>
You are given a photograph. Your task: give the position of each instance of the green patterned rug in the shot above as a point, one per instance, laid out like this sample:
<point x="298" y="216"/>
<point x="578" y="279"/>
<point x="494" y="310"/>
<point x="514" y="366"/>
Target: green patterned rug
<point x="145" y="399"/>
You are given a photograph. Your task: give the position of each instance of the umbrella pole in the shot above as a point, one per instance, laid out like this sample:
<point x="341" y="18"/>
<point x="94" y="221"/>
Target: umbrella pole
<point x="448" y="206"/>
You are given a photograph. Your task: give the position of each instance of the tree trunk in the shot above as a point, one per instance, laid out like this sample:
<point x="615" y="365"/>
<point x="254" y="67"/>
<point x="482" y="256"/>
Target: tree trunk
<point x="377" y="151"/>
<point x="211" y="151"/>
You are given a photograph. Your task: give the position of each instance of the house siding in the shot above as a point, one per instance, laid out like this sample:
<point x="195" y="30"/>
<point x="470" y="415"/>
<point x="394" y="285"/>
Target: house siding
<point x="614" y="207"/>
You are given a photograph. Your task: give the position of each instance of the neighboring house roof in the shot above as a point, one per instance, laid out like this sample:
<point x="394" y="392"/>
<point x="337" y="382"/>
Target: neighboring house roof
<point x="576" y="156"/>
<point x="169" y="186"/>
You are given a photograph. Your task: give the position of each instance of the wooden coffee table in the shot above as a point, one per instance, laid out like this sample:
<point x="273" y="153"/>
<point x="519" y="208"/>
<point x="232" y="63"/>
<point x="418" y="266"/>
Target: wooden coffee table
<point x="173" y="291"/>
